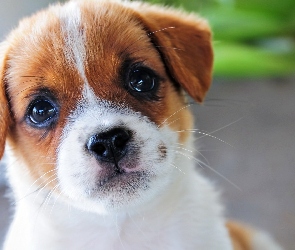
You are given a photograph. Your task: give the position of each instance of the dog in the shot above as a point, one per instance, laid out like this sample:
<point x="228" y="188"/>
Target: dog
<point x="98" y="130"/>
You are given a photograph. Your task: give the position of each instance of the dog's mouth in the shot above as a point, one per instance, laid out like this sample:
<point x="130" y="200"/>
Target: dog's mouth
<point x="112" y="178"/>
<point x="121" y="179"/>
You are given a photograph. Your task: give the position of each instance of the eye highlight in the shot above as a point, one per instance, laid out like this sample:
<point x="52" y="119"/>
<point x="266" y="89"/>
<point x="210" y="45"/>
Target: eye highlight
<point x="41" y="113"/>
<point x="141" y="80"/>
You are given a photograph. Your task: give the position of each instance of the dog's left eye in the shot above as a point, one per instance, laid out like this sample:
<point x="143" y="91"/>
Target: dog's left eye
<point x="41" y="113"/>
<point x="142" y="80"/>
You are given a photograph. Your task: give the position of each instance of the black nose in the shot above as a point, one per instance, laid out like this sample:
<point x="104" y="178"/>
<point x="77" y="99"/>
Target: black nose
<point x="110" y="146"/>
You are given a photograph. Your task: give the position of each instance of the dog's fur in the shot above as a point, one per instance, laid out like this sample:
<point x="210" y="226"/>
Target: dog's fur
<point x="80" y="57"/>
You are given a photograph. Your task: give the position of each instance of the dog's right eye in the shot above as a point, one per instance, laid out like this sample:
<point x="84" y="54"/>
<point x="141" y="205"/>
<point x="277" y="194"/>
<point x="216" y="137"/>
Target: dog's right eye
<point x="41" y="113"/>
<point x="141" y="80"/>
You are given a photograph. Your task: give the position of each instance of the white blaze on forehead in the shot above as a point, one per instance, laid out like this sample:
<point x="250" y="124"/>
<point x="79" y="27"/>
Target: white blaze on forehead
<point x="88" y="95"/>
<point x="103" y="112"/>
<point x="75" y="51"/>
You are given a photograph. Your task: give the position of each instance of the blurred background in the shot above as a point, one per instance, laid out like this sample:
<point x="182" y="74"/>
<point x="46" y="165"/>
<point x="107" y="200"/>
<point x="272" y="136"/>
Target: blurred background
<point x="253" y="38"/>
<point x="250" y="110"/>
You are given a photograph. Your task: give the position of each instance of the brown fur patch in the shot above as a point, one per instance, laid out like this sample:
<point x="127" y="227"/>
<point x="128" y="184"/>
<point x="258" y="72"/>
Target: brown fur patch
<point x="240" y="235"/>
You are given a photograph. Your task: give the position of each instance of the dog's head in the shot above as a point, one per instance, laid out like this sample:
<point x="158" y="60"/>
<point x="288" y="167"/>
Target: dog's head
<point x="92" y="98"/>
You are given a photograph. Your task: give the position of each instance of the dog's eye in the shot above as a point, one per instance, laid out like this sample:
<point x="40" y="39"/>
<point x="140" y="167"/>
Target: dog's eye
<point x="142" y="80"/>
<point x="41" y="112"/>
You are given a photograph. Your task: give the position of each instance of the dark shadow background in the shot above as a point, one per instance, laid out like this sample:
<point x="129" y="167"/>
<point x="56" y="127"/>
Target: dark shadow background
<point x="253" y="116"/>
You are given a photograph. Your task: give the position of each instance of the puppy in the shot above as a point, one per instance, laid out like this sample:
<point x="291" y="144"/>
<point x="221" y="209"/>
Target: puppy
<point x="98" y="131"/>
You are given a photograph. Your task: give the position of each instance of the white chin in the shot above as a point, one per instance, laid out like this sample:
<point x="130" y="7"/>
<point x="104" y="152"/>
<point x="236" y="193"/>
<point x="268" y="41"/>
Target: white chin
<point x="122" y="193"/>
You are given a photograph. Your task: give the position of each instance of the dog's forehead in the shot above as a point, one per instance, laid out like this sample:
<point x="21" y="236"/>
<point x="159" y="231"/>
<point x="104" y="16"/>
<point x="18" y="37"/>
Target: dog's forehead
<point x="99" y="37"/>
<point x="71" y="45"/>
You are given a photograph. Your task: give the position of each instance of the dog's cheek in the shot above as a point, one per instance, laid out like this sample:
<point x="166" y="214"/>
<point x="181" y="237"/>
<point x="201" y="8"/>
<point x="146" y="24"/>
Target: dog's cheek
<point x="37" y="152"/>
<point x="178" y="117"/>
<point x="182" y="127"/>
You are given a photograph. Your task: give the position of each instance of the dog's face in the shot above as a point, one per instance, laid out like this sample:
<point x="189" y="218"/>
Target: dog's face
<point x="91" y="98"/>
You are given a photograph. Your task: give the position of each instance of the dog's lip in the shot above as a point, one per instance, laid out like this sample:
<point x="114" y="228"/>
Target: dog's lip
<point x="101" y="183"/>
<point x="117" y="177"/>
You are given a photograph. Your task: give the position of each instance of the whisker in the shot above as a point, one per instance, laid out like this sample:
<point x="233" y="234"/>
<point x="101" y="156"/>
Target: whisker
<point x="209" y="134"/>
<point x="48" y="197"/>
<point x="196" y="150"/>
<point x="172" y="122"/>
<point x="215" y="102"/>
<point x="43" y="176"/>
<point x="38" y="187"/>
<point x="44" y="156"/>
<point x="186" y="106"/>
<point x="136" y="225"/>
<point x="166" y="47"/>
<point x="17" y="201"/>
<point x="40" y="77"/>
<point x="212" y="132"/>
<point x="55" y="200"/>
<point x="227" y="101"/>
<point x="118" y="232"/>
<point x="27" y="88"/>
<point x="54" y="179"/>
<point x="187" y="156"/>
<point x="42" y="205"/>
<point x="185" y="149"/>
<point x="204" y="134"/>
<point x="177" y="168"/>
<point x="222" y="176"/>
<point x="160" y="30"/>
<point x="212" y="169"/>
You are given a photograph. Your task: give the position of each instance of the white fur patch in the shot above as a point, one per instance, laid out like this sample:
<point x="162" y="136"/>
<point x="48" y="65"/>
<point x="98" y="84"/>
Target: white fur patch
<point x="79" y="172"/>
<point x="74" y="36"/>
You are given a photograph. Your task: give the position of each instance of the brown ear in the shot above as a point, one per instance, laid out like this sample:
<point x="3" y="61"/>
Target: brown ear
<point x="184" y="42"/>
<point x="4" y="110"/>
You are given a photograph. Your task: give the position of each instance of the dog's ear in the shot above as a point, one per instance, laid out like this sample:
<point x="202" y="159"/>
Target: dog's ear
<point x="184" y="42"/>
<point x="4" y="110"/>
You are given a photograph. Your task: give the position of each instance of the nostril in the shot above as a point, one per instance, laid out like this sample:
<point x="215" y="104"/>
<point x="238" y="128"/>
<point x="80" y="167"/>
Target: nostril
<point x="97" y="146"/>
<point x="100" y="149"/>
<point x="121" y="139"/>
